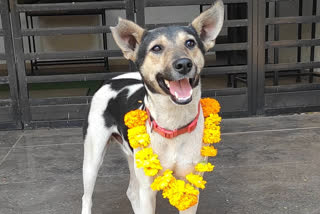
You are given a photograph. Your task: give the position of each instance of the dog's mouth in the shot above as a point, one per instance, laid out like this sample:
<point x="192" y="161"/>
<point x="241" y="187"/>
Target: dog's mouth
<point x="180" y="91"/>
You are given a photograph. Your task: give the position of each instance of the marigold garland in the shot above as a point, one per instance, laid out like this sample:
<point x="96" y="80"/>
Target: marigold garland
<point x="196" y="180"/>
<point x="180" y="193"/>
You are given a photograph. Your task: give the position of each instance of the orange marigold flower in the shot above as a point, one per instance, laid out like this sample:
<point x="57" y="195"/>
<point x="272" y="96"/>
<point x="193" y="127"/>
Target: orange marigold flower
<point x="209" y="106"/>
<point x="135" y="118"/>
<point x="203" y="167"/>
<point x="196" y="180"/>
<point x="209" y="151"/>
<point x="163" y="181"/>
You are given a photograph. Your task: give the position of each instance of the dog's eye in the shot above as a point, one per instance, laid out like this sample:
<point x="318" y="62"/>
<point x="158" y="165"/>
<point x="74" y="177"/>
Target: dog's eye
<point x="190" y="43"/>
<point x="156" y="48"/>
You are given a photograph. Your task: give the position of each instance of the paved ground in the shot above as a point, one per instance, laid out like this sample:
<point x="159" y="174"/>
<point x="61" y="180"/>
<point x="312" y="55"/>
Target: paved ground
<point x="264" y="166"/>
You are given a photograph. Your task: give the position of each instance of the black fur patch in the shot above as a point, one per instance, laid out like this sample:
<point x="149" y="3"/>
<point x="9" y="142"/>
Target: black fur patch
<point x="119" y="106"/>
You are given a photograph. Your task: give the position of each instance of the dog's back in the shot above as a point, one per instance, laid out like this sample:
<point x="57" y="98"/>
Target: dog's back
<point x="113" y="100"/>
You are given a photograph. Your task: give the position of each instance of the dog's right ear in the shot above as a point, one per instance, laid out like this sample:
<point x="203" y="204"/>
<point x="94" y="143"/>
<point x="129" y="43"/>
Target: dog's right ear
<point x="128" y="37"/>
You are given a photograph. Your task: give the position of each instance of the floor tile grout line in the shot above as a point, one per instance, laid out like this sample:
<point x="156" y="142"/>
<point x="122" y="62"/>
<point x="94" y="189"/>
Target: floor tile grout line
<point x="48" y="145"/>
<point x="14" y="145"/>
<point x="269" y="130"/>
<point x="265" y="165"/>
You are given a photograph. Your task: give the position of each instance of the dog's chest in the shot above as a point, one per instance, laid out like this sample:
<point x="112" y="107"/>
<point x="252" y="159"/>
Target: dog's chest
<point x="181" y="153"/>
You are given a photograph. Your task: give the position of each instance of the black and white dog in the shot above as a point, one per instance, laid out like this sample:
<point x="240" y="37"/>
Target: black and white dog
<point x="169" y="60"/>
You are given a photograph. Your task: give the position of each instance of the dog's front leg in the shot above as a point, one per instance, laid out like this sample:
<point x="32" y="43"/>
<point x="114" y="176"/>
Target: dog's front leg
<point x="147" y="197"/>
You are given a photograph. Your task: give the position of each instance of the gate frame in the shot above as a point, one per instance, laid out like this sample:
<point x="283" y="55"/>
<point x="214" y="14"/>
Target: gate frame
<point x="13" y="102"/>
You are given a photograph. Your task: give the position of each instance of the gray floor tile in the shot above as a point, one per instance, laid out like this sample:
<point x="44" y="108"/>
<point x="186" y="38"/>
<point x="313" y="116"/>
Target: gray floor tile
<point x="44" y="137"/>
<point x="269" y="148"/>
<point x="3" y="153"/>
<point x="256" y="172"/>
<point x="58" y="162"/>
<point x="9" y="138"/>
<point x="271" y="123"/>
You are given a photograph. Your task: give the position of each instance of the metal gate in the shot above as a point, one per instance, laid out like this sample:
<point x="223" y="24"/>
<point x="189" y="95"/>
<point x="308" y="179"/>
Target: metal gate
<point x="247" y="57"/>
<point x="304" y="93"/>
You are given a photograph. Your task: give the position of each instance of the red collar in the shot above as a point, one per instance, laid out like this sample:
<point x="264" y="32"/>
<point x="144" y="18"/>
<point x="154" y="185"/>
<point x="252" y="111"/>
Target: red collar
<point x="173" y="133"/>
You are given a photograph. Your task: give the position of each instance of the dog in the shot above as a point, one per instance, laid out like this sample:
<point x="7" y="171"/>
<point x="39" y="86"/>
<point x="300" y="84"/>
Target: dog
<point x="169" y="61"/>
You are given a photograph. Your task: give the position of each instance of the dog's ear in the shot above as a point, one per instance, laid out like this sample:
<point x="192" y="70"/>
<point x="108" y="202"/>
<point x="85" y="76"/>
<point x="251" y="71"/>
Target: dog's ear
<point x="128" y="36"/>
<point x="209" y="24"/>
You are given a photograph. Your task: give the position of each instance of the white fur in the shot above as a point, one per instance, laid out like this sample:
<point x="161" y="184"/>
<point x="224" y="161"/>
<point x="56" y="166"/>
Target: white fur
<point x="131" y="75"/>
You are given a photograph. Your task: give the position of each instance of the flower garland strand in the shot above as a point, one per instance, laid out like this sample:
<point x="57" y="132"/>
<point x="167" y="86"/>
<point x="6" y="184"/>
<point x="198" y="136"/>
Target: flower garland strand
<point x="181" y="194"/>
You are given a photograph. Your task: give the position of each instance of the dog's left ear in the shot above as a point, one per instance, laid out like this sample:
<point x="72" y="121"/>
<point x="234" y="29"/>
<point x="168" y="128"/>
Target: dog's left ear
<point x="127" y="35"/>
<point x="209" y="24"/>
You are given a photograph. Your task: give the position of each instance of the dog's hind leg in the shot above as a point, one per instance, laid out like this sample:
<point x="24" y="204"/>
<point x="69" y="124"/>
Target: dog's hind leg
<point x="95" y="146"/>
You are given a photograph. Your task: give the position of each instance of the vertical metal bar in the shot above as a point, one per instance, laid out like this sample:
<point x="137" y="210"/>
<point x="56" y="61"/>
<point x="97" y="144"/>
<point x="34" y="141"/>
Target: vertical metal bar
<point x="29" y="41"/>
<point x="252" y="57"/>
<point x="259" y="39"/>
<point x="12" y="75"/>
<point x="20" y="65"/>
<point x="299" y="38"/>
<point x="104" y="38"/>
<point x="140" y="16"/>
<point x="276" y="50"/>
<point x="271" y="31"/>
<point x="34" y="62"/>
<point x="313" y="35"/>
<point x="130" y="9"/>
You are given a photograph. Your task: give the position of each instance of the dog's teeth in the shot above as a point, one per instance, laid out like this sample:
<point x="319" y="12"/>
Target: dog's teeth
<point x="167" y="83"/>
<point x="191" y="92"/>
<point x="176" y="95"/>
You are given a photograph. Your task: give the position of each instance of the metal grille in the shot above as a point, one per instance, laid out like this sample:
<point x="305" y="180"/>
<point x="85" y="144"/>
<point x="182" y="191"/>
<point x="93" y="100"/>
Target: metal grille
<point x="303" y="93"/>
<point x="60" y="111"/>
<point x="248" y="59"/>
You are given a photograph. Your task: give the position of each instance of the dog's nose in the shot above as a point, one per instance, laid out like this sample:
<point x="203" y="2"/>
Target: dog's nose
<point x="183" y="65"/>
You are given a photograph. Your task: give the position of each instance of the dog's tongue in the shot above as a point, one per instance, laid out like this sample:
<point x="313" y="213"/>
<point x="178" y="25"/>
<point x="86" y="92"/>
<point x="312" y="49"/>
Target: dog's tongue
<point x="180" y="88"/>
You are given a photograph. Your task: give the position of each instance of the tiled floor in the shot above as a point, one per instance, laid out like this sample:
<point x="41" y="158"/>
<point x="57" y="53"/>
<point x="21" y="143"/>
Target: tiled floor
<point x="264" y="166"/>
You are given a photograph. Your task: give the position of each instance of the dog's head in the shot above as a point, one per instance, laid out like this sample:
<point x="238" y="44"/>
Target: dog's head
<point x="170" y="58"/>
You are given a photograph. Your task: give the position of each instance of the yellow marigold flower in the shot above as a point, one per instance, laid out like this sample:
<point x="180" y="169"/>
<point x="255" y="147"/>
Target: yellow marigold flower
<point x="135" y="118"/>
<point x="212" y="121"/>
<point x="209" y="106"/>
<point x="196" y="180"/>
<point x="149" y="161"/>
<point x="211" y="136"/>
<point x="163" y="181"/>
<point x="138" y="137"/>
<point x="181" y="195"/>
<point x="209" y="151"/>
<point x="150" y="171"/>
<point x="202" y="167"/>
